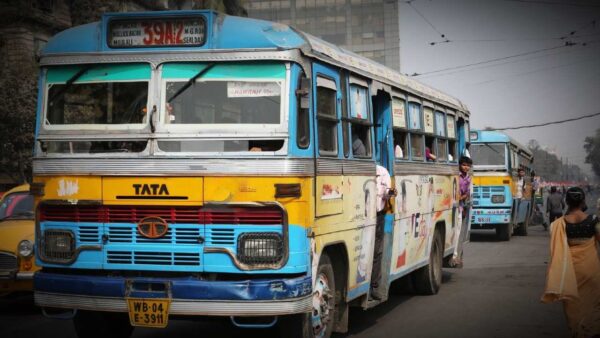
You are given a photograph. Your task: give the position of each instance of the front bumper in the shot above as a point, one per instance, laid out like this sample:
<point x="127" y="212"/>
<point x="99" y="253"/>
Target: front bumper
<point x="264" y="297"/>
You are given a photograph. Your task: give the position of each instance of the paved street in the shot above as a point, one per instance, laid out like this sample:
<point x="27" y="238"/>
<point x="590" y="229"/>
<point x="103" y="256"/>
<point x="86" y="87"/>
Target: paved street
<point x="496" y="295"/>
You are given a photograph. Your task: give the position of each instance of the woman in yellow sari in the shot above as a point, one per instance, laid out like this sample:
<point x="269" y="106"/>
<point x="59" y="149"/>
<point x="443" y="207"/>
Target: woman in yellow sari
<point x="574" y="268"/>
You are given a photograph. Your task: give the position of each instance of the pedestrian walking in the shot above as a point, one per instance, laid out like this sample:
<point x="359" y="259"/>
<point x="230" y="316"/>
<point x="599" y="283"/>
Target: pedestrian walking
<point x="554" y="206"/>
<point x="573" y="275"/>
<point x="464" y="202"/>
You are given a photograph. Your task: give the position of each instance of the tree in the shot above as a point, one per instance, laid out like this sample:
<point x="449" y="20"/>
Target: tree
<point x="592" y="148"/>
<point x="17" y="119"/>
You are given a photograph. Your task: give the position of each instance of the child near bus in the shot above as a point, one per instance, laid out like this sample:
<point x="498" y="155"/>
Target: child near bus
<point x="464" y="185"/>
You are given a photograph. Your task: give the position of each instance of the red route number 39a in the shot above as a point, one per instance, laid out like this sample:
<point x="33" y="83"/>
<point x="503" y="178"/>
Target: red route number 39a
<point x="163" y="33"/>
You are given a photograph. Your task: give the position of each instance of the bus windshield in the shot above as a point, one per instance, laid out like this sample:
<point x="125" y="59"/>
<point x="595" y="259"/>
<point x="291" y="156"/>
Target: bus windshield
<point x="244" y="94"/>
<point x="488" y="155"/>
<point x="96" y="95"/>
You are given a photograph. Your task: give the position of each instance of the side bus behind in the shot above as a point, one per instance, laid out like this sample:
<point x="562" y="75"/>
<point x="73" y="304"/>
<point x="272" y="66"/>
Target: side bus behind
<point x="497" y="159"/>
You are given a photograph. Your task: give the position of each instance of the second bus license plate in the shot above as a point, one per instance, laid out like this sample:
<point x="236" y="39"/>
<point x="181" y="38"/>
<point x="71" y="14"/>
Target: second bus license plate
<point x="148" y="312"/>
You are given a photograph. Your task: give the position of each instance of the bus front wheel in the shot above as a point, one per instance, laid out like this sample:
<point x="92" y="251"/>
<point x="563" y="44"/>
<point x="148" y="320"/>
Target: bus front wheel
<point x="91" y="324"/>
<point x="321" y="321"/>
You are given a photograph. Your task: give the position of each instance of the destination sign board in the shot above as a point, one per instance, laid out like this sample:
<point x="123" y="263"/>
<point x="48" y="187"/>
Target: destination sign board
<point x="157" y="32"/>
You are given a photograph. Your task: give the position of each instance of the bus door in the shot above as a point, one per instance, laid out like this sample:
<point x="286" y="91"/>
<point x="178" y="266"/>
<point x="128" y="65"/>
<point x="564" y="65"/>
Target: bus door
<point x="381" y="103"/>
<point x="329" y="199"/>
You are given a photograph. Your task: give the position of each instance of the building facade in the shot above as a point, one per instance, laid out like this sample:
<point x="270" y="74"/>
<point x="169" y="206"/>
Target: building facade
<point x="367" y="27"/>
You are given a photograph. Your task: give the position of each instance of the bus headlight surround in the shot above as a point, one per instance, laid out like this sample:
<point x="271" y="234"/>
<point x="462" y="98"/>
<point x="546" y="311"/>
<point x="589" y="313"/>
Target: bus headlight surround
<point x="260" y="248"/>
<point x="58" y="245"/>
<point x="498" y="199"/>
<point x="25" y="248"/>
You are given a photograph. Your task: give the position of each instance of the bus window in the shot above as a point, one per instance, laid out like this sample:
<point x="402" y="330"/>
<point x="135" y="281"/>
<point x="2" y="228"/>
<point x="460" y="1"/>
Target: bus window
<point x="416" y="147"/>
<point x="441" y="150"/>
<point x="302" y="100"/>
<point x="400" y="144"/>
<point x="327" y="119"/>
<point x="452" y="151"/>
<point x="430" y="148"/>
<point x="359" y="117"/>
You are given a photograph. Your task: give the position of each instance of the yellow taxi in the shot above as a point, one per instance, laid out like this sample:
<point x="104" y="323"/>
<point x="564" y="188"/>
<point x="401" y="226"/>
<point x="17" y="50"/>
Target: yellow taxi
<point x="17" y="227"/>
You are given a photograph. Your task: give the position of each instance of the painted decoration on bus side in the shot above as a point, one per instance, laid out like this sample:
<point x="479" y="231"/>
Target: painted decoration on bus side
<point x="450" y="126"/>
<point x="428" y="118"/>
<point x="422" y="201"/>
<point x="358" y="102"/>
<point x="330" y="195"/>
<point x="398" y="113"/>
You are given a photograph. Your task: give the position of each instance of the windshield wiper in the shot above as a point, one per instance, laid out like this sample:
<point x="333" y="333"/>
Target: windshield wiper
<point x="69" y="83"/>
<point x="191" y="81"/>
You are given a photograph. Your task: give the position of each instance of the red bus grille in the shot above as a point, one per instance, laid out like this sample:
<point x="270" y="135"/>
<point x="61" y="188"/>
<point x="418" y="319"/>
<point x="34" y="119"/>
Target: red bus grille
<point x="171" y="214"/>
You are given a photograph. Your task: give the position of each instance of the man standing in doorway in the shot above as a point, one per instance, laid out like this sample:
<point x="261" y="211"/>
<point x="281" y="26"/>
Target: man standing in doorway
<point x="464" y="185"/>
<point x="384" y="193"/>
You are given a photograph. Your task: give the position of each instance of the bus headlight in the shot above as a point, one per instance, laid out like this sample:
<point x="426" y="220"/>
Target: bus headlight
<point x="498" y="199"/>
<point x="25" y="248"/>
<point x="58" y="245"/>
<point x="260" y="248"/>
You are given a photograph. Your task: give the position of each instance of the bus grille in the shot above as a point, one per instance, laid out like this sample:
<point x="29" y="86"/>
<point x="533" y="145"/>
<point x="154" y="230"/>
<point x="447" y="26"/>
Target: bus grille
<point x="171" y="214"/>
<point x="153" y="258"/>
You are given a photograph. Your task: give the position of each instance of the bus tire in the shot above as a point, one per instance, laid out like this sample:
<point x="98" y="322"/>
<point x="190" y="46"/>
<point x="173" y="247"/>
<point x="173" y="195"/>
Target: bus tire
<point x="321" y="321"/>
<point x="503" y="231"/>
<point x="428" y="279"/>
<point x="92" y="324"/>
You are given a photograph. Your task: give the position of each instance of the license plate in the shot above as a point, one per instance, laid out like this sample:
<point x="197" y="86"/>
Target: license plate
<point x="148" y="312"/>
<point x="483" y="219"/>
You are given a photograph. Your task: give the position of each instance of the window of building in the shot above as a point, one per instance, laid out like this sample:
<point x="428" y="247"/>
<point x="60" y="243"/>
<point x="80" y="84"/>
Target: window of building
<point x="327" y="116"/>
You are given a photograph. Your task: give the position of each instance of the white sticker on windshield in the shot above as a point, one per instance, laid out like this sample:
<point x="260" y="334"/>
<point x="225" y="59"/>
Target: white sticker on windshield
<point x="252" y="89"/>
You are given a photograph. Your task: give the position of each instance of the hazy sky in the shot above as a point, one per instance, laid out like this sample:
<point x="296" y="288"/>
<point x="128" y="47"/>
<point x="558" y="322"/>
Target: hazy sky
<point x="551" y="85"/>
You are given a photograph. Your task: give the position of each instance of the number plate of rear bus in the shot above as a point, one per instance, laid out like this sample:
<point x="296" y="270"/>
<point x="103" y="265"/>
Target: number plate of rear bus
<point x="148" y="312"/>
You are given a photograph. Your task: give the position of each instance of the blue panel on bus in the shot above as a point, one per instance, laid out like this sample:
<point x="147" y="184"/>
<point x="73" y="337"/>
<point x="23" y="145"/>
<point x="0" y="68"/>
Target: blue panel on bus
<point x="221" y="32"/>
<point x="246" y="70"/>
<point x="191" y="288"/>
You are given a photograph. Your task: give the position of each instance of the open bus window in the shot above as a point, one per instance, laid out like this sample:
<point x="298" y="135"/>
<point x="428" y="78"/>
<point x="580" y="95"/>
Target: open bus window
<point x="452" y="157"/>
<point x="361" y="141"/>
<point x="97" y="103"/>
<point x="430" y="149"/>
<point x="199" y="146"/>
<point x="223" y="102"/>
<point x="416" y="147"/>
<point x="400" y="144"/>
<point x="93" y="147"/>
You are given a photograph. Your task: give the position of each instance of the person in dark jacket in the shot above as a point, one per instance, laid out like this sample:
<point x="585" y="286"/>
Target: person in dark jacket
<point x="555" y="205"/>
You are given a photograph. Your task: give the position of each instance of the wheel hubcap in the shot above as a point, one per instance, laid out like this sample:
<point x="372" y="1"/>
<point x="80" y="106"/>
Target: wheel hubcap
<point x="322" y="298"/>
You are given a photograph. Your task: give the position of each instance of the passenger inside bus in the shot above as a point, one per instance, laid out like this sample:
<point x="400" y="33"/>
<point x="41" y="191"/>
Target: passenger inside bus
<point x="429" y="155"/>
<point x="358" y="146"/>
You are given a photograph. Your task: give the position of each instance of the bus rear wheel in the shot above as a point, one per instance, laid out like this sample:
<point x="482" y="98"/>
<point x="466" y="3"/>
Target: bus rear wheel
<point x="428" y="279"/>
<point x="91" y="324"/>
<point x="319" y="323"/>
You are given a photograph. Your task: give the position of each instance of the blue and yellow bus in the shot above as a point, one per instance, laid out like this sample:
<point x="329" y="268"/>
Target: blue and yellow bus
<point x="191" y="163"/>
<point x="501" y="199"/>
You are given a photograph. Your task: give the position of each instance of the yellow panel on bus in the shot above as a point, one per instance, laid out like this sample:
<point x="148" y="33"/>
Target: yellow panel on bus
<point x="71" y="188"/>
<point x="152" y="190"/>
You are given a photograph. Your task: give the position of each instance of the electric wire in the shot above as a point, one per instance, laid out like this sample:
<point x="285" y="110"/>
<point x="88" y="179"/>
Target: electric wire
<point x="547" y="123"/>
<point x="426" y="20"/>
<point x="493" y="60"/>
